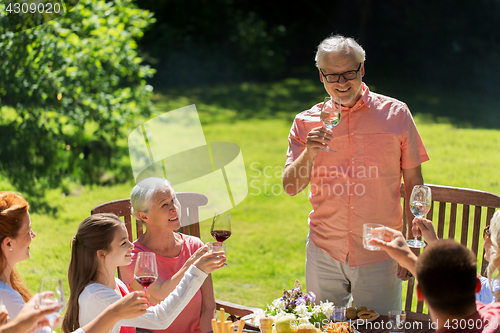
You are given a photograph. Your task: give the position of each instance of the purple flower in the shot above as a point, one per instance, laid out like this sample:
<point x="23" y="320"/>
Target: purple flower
<point x="301" y="300"/>
<point x="313" y="296"/>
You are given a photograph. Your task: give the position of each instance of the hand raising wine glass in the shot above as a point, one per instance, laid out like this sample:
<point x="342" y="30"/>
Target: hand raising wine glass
<point x="146" y="271"/>
<point x="330" y="115"/>
<point x="221" y="227"/>
<point x="55" y="286"/>
<point x="220" y="231"/>
<point x="420" y="204"/>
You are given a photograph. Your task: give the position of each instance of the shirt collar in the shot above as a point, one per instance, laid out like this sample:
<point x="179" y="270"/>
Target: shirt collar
<point x="364" y="99"/>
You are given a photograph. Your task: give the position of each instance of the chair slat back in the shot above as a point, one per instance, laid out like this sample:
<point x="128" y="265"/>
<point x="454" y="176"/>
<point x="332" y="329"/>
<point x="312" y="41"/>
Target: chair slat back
<point x="448" y="201"/>
<point x="190" y="203"/>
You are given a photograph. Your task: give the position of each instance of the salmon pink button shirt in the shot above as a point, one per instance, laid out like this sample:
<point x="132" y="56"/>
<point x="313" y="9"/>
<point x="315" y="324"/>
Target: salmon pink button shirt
<point x="360" y="183"/>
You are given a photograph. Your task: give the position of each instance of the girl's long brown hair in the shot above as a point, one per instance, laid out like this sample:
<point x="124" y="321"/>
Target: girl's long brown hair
<point x="95" y="233"/>
<point x="12" y="208"/>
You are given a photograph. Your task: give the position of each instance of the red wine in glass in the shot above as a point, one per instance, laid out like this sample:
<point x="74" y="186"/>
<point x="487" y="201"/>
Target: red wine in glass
<point x="145" y="281"/>
<point x="221" y="227"/>
<point x="221" y="235"/>
<point x="146" y="270"/>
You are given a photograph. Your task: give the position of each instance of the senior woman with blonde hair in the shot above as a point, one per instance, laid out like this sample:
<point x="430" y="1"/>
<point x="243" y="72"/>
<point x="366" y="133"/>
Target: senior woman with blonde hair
<point x="492" y="254"/>
<point x="155" y="204"/>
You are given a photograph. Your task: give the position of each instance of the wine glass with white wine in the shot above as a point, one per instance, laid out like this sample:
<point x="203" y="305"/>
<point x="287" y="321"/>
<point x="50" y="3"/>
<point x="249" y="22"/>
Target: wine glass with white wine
<point x="53" y="284"/>
<point x="330" y="115"/>
<point x="420" y="204"/>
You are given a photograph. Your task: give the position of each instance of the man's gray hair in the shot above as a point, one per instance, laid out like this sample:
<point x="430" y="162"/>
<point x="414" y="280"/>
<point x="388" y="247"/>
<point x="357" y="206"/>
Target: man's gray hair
<point x="339" y="43"/>
<point x="142" y="193"/>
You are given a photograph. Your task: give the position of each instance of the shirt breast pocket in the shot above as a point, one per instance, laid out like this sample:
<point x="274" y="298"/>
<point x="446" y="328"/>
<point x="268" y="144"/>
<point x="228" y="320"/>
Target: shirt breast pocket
<point x="382" y="151"/>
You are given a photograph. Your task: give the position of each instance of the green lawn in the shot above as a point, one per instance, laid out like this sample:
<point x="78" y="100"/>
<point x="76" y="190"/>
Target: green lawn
<point x="266" y="251"/>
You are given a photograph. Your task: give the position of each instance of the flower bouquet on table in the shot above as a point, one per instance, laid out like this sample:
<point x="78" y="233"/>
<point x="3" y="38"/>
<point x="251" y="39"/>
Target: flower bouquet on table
<point x="293" y="309"/>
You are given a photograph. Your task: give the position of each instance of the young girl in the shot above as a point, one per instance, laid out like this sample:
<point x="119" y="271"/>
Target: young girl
<point x="99" y="247"/>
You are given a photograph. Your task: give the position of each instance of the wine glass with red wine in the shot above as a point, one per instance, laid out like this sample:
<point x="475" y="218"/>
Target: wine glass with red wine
<point x="146" y="270"/>
<point x="221" y="227"/>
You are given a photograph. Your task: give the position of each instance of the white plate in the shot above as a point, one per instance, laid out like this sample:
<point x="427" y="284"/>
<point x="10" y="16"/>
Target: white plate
<point x="361" y="322"/>
<point x="248" y="320"/>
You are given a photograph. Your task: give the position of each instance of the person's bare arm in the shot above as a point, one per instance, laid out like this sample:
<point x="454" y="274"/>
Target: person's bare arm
<point x="297" y="175"/>
<point x="395" y="245"/>
<point x="160" y="289"/>
<point x="31" y="317"/>
<point x="207" y="305"/>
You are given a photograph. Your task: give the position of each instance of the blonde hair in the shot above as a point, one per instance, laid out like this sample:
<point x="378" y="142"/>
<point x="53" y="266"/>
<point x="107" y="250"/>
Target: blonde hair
<point x="493" y="266"/>
<point x="144" y="191"/>
<point x="12" y="207"/>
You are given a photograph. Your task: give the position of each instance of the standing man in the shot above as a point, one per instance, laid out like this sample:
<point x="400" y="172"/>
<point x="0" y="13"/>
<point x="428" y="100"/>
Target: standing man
<point x="377" y="142"/>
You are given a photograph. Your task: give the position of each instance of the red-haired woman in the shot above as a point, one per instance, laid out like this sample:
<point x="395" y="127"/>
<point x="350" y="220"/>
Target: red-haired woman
<point x="15" y="239"/>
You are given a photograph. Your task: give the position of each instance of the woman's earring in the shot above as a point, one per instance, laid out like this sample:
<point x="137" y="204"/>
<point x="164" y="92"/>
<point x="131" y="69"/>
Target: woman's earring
<point x="11" y="249"/>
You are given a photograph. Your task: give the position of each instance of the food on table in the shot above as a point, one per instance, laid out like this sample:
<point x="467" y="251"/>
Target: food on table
<point x="342" y="327"/>
<point x="351" y="313"/>
<point x="286" y="324"/>
<point x="367" y="314"/>
<point x="360" y="313"/>
<point x="307" y="328"/>
<point x="361" y="308"/>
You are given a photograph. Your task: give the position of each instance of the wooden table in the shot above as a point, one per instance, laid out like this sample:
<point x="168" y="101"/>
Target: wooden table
<point x="415" y="323"/>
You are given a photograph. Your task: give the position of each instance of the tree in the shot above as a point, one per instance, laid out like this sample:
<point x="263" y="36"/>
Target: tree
<point x="69" y="89"/>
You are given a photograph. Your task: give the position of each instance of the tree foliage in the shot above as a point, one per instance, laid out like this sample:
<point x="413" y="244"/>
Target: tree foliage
<point x="69" y="89"/>
<point x="447" y="43"/>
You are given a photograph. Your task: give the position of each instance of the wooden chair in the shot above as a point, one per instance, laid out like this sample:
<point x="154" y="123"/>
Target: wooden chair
<point x="190" y="202"/>
<point x="447" y="203"/>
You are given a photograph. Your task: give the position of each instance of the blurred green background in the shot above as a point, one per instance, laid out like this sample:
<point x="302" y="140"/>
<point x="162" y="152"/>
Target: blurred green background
<point x="72" y="89"/>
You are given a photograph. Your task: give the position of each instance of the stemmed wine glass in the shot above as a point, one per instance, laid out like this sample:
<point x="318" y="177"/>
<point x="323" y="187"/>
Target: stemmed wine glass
<point x="221" y="227"/>
<point x="420" y="204"/>
<point x="220" y="231"/>
<point x="54" y="285"/>
<point x="330" y="115"/>
<point x="146" y="271"/>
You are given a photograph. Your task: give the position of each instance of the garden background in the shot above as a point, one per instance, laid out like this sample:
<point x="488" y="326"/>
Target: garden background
<point x="72" y="89"/>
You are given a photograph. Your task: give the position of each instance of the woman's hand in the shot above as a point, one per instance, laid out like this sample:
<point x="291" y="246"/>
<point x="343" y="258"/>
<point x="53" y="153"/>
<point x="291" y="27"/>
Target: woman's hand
<point x="4" y="317"/>
<point x="195" y="256"/>
<point x="31" y="317"/>
<point x="209" y="262"/>
<point x="130" y="306"/>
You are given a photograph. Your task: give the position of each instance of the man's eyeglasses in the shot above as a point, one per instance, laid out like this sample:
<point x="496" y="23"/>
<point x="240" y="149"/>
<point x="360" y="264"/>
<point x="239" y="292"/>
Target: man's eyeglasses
<point x="486" y="232"/>
<point x="334" y="78"/>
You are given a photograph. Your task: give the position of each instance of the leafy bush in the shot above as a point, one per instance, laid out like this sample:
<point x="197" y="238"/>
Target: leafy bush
<point x="69" y="89"/>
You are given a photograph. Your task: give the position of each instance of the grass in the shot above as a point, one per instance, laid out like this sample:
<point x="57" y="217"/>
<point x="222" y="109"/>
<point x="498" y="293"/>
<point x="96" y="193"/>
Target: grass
<point x="266" y="252"/>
